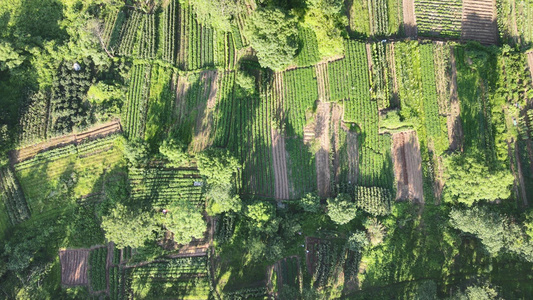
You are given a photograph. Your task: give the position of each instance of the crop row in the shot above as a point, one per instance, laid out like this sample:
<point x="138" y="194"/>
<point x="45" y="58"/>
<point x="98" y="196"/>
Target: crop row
<point x="147" y="44"/>
<point x="301" y="92"/>
<point x="379" y="17"/>
<point x="381" y="83"/>
<point x="97" y="269"/>
<point x="247" y="293"/>
<point x="13" y="197"/>
<point x="327" y="256"/>
<point x="374" y="200"/>
<point x="224" y="54"/>
<point x="290" y="272"/>
<point x="225" y="227"/>
<point x="308" y="54"/>
<point x="358" y="79"/>
<point x="115" y="279"/>
<point x="375" y="169"/>
<point x="168" y="32"/>
<point x="438" y="17"/>
<point x="200" y="44"/>
<point x="160" y="187"/>
<point x="172" y="269"/>
<point x="128" y="33"/>
<point x="137" y="101"/>
<point x="34" y="113"/>
<point x="224" y="108"/>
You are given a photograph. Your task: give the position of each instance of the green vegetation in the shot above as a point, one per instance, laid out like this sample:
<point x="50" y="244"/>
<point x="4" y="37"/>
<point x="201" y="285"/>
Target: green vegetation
<point x="257" y="149"/>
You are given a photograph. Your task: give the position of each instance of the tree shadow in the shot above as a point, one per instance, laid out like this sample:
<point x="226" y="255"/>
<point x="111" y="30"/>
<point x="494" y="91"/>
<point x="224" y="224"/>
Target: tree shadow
<point x="39" y="21"/>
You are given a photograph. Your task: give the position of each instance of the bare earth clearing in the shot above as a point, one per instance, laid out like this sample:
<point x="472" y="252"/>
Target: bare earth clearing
<point x="409" y="18"/>
<point x="205" y="120"/>
<point x="479" y="21"/>
<point x="455" y="129"/>
<point x="74" y="264"/>
<point x="322" y="156"/>
<point x="407" y="166"/>
<point x="321" y="70"/>
<point x="74" y="138"/>
<point x="336" y="117"/>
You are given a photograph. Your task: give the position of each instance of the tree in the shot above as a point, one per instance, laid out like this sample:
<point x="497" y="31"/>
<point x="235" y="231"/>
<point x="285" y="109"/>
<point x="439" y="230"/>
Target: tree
<point x="326" y="19"/>
<point x="173" y="151"/>
<point x="216" y="13"/>
<point x="9" y="58"/>
<point x="273" y="34"/>
<point x="136" y="152"/>
<point x="127" y="228"/>
<point x="469" y="179"/>
<point x="357" y="241"/>
<point x="376" y="231"/>
<point x="217" y="165"/>
<point x="262" y="215"/>
<point x="184" y="220"/>
<point x="341" y="210"/>
<point x="222" y="199"/>
<point x="310" y="202"/>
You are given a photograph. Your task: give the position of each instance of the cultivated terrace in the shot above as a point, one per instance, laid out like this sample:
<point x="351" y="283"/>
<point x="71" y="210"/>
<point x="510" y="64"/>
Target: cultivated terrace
<point x="266" y="149"/>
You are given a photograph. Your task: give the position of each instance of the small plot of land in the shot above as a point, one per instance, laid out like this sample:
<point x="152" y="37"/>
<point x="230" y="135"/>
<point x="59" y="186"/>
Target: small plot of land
<point x="322" y="77"/>
<point x="74" y="265"/>
<point x="311" y="248"/>
<point x="530" y="63"/>
<point x="284" y="272"/>
<point x="479" y="21"/>
<point x="409" y="18"/>
<point x="322" y="156"/>
<point x="336" y="117"/>
<point x="204" y="123"/>
<point x="353" y="157"/>
<point x="75" y="138"/>
<point x="455" y="131"/>
<point x="439" y="17"/>
<point x="279" y="154"/>
<point x="407" y="166"/>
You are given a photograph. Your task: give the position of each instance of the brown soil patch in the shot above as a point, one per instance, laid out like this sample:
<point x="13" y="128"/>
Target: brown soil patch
<point x="322" y="77"/>
<point x="438" y="184"/>
<point x="442" y="78"/>
<point x="311" y="257"/>
<point x="205" y="121"/>
<point x="182" y="87"/>
<point x="453" y="122"/>
<point x="74" y="264"/>
<point x="530" y="63"/>
<point x="407" y="166"/>
<point x="74" y="138"/>
<point x="479" y="21"/>
<point x="409" y="18"/>
<point x="322" y="156"/>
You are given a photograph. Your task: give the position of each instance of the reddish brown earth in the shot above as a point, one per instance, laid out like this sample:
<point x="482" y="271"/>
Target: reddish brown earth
<point x="74" y="138"/>
<point x="455" y="129"/>
<point x="407" y="166"/>
<point x="479" y="21"/>
<point x="409" y="18"/>
<point x="74" y="264"/>
<point x="322" y="156"/>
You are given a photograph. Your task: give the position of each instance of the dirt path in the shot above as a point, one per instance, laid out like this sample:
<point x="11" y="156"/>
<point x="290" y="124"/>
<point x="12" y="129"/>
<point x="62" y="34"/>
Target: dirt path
<point x="453" y="122"/>
<point x="321" y="70"/>
<point x="479" y="21"/>
<point x="322" y="156"/>
<point x="520" y="174"/>
<point x="409" y="18"/>
<point x="530" y="63"/>
<point x="74" y="138"/>
<point x="205" y="121"/>
<point x="407" y="166"/>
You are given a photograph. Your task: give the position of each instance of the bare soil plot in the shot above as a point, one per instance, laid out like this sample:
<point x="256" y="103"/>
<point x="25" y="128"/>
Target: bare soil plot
<point x="205" y="121"/>
<point x="409" y="18"/>
<point x="479" y="21"/>
<point x="322" y="156"/>
<point x="518" y="172"/>
<point x="530" y="62"/>
<point x="453" y="122"/>
<point x="407" y="166"/>
<point x="74" y="264"/>
<point x="322" y="78"/>
<point x="392" y="66"/>
<point x="182" y="88"/>
<point x="74" y="138"/>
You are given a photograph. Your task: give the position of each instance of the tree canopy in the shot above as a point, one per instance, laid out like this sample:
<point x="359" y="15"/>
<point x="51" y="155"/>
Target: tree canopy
<point x="273" y="34"/>
<point x="342" y="209"/>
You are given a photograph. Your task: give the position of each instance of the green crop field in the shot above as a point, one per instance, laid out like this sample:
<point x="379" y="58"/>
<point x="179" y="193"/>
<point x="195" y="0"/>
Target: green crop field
<point x="313" y="149"/>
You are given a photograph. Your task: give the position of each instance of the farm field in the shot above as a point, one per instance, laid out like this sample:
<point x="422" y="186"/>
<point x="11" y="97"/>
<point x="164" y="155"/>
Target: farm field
<point x="191" y="149"/>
